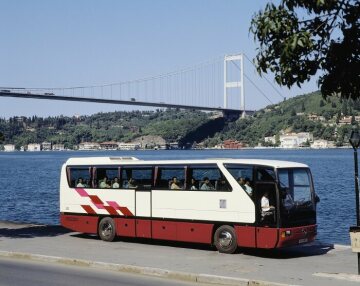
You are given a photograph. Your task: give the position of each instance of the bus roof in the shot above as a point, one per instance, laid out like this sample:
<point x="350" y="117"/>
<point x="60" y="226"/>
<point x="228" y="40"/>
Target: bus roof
<point x="135" y="161"/>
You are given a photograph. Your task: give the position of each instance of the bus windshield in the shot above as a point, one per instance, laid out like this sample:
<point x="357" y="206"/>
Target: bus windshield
<point x="295" y="188"/>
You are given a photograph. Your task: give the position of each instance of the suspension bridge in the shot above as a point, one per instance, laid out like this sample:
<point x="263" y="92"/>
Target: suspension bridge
<point x="215" y="85"/>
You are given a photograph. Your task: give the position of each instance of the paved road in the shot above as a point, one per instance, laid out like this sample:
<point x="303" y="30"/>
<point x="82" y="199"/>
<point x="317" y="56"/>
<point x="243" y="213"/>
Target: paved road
<point x="315" y="264"/>
<point x="18" y="272"/>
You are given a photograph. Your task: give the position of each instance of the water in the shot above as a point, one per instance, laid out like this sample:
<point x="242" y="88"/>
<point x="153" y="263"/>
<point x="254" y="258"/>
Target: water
<point x="29" y="182"/>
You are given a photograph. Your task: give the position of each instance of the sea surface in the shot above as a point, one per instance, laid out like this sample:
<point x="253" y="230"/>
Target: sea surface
<point x="29" y="182"/>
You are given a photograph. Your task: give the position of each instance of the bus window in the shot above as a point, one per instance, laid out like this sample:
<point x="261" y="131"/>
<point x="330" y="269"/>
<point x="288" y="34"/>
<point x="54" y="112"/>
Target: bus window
<point x="107" y="178"/>
<point x="295" y="186"/>
<point x="302" y="191"/>
<point x="207" y="178"/>
<point x="243" y="175"/>
<point x="79" y="177"/>
<point x="171" y="178"/>
<point x="265" y="174"/>
<point x="136" y="177"/>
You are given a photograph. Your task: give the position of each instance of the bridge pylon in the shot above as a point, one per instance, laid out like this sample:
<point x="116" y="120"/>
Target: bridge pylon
<point x="238" y="82"/>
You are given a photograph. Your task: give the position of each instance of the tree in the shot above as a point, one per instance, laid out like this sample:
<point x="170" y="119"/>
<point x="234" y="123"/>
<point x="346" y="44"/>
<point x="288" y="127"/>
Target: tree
<point x="297" y="38"/>
<point x="2" y="137"/>
<point x="321" y="104"/>
<point x="344" y="108"/>
<point x="302" y="106"/>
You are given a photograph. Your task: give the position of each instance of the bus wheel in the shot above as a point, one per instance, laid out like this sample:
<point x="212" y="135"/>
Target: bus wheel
<point x="107" y="229"/>
<point x="225" y="239"/>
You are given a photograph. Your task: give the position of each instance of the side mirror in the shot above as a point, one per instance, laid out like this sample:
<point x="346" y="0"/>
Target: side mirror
<point x="317" y="199"/>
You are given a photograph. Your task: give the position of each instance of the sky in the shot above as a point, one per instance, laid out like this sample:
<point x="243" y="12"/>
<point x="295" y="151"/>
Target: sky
<point x="64" y="43"/>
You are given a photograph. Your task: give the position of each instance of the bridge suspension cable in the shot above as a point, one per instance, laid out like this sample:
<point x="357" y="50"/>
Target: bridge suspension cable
<point x="200" y="86"/>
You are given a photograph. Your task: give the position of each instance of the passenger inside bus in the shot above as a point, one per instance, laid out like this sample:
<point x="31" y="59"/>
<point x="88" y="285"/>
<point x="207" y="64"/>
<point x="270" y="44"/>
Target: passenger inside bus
<point x="80" y="183"/>
<point x="193" y="184"/>
<point x="104" y="183"/>
<point x="241" y="182"/>
<point x="115" y="184"/>
<point x="175" y="184"/>
<point x="222" y="185"/>
<point x="131" y="184"/>
<point x="267" y="210"/>
<point x="207" y="186"/>
<point x="248" y="187"/>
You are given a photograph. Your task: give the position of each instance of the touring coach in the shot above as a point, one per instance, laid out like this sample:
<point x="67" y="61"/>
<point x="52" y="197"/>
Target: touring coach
<point x="229" y="203"/>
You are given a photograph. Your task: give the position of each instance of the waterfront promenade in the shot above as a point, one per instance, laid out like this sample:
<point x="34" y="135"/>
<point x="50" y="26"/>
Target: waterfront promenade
<point x="316" y="264"/>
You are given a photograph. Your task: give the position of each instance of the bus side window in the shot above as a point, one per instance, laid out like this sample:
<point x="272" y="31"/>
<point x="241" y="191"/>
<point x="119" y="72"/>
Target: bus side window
<point x="80" y="177"/>
<point x="107" y="178"/>
<point x="137" y="177"/>
<point x="171" y="178"/>
<point x="265" y="175"/>
<point x="207" y="178"/>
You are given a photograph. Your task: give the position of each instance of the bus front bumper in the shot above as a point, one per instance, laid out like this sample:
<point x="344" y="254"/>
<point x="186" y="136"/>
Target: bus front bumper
<point x="297" y="235"/>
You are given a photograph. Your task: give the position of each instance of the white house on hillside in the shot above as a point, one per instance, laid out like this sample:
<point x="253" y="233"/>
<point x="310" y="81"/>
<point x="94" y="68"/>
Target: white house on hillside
<point x="319" y="144"/>
<point x="9" y="147"/>
<point x="58" y="147"/>
<point x="34" y="147"/>
<point x="87" y="146"/>
<point x="294" y="140"/>
<point x="129" y="146"/>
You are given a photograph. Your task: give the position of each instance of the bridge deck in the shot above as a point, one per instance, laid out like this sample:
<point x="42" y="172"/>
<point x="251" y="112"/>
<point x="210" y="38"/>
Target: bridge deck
<point x="115" y="101"/>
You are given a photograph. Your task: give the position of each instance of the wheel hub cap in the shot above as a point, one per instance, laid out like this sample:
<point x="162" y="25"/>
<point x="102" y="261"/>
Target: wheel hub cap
<point x="225" y="239"/>
<point x="106" y="230"/>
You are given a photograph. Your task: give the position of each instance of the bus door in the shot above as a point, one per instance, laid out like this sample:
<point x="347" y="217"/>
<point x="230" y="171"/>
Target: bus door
<point x="139" y="178"/>
<point x="267" y="219"/>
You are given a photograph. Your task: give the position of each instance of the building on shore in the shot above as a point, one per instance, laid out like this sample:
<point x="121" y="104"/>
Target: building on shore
<point x="110" y="145"/>
<point x="173" y="145"/>
<point x="129" y="146"/>
<point x="9" y="147"/>
<point x="321" y="143"/>
<point x="33" y="147"/>
<point x="295" y="140"/>
<point x="46" y="146"/>
<point x="58" y="147"/>
<point x="270" y="139"/>
<point x="346" y="120"/>
<point x="232" y="144"/>
<point x="89" y="146"/>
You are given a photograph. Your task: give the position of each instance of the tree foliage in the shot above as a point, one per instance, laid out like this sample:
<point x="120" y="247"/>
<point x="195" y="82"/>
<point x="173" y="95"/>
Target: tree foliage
<point x="297" y="38"/>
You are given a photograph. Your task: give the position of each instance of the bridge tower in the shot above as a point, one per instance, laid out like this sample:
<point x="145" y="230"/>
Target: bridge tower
<point x="237" y="83"/>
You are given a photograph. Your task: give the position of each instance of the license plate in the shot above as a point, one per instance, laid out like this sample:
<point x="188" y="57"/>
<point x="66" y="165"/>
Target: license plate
<point x="303" y="240"/>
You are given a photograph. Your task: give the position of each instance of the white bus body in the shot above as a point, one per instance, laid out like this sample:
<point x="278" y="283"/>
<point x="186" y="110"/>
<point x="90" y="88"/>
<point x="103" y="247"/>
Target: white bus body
<point x="96" y="196"/>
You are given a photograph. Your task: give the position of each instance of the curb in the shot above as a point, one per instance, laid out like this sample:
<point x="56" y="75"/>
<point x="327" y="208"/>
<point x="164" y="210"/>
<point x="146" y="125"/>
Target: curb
<point x="149" y="271"/>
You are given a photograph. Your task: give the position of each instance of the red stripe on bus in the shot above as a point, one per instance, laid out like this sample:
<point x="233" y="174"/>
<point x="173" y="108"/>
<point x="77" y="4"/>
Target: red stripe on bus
<point x="124" y="210"/>
<point x="82" y="192"/>
<point x="88" y="209"/>
<point x="96" y="200"/>
<point x="111" y="210"/>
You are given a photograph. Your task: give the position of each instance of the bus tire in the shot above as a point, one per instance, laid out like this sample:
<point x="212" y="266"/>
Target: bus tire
<point x="225" y="239"/>
<point x="107" y="230"/>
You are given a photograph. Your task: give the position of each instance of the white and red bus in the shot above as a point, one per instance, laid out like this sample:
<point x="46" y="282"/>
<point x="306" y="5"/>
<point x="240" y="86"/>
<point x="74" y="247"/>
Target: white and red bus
<point x="199" y="201"/>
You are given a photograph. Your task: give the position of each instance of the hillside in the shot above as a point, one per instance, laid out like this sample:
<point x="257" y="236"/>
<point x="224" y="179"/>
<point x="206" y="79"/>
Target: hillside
<point x="293" y="115"/>
<point x="305" y="113"/>
<point x="171" y="125"/>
